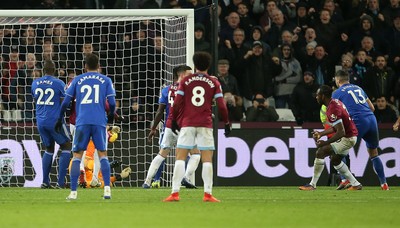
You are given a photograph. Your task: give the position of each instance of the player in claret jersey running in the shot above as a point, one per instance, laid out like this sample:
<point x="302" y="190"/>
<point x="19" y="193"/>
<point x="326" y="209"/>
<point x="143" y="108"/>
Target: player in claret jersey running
<point x="337" y="146"/>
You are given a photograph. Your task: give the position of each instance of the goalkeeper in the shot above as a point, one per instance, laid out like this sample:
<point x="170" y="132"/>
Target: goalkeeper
<point x="88" y="179"/>
<point x="168" y="140"/>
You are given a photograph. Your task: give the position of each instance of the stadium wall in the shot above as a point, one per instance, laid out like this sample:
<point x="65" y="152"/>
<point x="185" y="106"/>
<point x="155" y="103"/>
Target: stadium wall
<point x="266" y="154"/>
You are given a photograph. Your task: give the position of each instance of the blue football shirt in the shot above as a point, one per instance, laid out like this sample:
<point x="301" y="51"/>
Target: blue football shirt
<point x="90" y="91"/>
<point x="164" y="98"/>
<point x="355" y="100"/>
<point x="47" y="92"/>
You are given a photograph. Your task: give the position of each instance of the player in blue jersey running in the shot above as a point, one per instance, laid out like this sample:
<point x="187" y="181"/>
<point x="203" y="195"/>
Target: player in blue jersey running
<point x="91" y="90"/>
<point x="48" y="93"/>
<point x="361" y="110"/>
<point x="168" y="139"/>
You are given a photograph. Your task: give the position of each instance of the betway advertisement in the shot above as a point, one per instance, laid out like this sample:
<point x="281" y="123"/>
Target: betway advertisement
<point x="259" y="155"/>
<point x="285" y="156"/>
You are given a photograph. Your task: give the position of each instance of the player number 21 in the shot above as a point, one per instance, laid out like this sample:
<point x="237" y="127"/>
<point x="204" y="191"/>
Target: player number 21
<point x="198" y="96"/>
<point x="87" y="89"/>
<point x="359" y="98"/>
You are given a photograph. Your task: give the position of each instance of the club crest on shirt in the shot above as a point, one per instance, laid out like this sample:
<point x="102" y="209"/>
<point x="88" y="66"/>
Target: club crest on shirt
<point x="333" y="117"/>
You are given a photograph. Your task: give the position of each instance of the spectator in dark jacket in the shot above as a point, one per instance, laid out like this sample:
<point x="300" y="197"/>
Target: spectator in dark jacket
<point x="303" y="103"/>
<point x="261" y="111"/>
<point x="384" y="112"/>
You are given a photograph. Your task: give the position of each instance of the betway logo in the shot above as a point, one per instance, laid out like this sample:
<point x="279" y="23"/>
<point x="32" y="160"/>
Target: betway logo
<point x="303" y="149"/>
<point x="16" y="152"/>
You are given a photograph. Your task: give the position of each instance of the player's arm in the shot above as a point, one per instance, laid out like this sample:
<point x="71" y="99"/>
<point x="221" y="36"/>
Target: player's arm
<point x="64" y="106"/>
<point x="222" y="109"/>
<point x="370" y="105"/>
<point x="112" y="104"/>
<point x="339" y="130"/>
<point x="396" y="125"/>
<point x="159" y="115"/>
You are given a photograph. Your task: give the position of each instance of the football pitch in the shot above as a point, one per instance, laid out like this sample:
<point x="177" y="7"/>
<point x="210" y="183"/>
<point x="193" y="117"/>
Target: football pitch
<point x="240" y="207"/>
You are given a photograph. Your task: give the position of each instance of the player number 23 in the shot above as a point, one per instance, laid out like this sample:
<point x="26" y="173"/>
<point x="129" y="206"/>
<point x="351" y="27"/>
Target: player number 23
<point x="359" y="98"/>
<point x="87" y="90"/>
<point x="41" y="93"/>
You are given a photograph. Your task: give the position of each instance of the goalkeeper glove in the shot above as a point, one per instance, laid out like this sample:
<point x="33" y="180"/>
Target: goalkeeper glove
<point x="175" y="127"/>
<point x="115" y="129"/>
<point x="58" y="126"/>
<point x="228" y="129"/>
<point x="110" y="118"/>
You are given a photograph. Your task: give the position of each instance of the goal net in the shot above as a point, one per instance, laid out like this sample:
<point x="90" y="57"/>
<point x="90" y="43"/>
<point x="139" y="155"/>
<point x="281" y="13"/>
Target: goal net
<point x="138" y="50"/>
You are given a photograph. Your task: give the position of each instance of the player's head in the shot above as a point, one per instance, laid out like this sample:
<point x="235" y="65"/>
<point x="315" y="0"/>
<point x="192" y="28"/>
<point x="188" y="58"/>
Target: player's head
<point x="181" y="70"/>
<point x="324" y="94"/>
<point x="49" y="67"/>
<point x="341" y="77"/>
<point x="202" y="60"/>
<point x="91" y="62"/>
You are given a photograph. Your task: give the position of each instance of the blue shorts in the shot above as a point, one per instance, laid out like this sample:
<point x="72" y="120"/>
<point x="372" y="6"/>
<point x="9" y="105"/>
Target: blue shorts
<point x="83" y="133"/>
<point x="368" y="130"/>
<point x="49" y="135"/>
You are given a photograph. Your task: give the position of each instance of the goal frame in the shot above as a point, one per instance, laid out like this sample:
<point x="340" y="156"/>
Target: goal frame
<point x="26" y="17"/>
<point x="189" y="13"/>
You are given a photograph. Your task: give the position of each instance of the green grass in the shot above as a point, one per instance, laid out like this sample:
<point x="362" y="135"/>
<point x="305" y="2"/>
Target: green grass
<point x="240" y="207"/>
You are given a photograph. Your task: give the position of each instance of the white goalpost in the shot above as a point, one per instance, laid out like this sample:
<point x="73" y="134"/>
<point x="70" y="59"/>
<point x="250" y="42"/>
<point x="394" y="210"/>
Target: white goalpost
<point x="138" y="50"/>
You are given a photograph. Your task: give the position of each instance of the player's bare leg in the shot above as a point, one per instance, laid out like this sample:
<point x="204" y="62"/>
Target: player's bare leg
<point x="207" y="175"/>
<point x="179" y="173"/>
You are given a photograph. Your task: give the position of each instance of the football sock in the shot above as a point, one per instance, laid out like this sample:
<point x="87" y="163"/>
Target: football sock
<point x="155" y="169"/>
<point x="378" y="167"/>
<point x="82" y="165"/>
<point x="343" y="178"/>
<point x="157" y="177"/>
<point x="74" y="173"/>
<point x="96" y="167"/>
<point x="63" y="167"/>
<point x="192" y="165"/>
<point x="318" y="168"/>
<point x="207" y="175"/>
<point x="105" y="170"/>
<point x="344" y="170"/>
<point x="47" y="160"/>
<point x="179" y="172"/>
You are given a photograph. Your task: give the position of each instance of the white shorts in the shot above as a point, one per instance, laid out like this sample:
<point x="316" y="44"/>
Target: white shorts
<point x="189" y="137"/>
<point x="343" y="145"/>
<point x="168" y="139"/>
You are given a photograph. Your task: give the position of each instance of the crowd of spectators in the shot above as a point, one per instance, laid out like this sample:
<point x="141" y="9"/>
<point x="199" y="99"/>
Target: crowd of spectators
<point x="269" y="50"/>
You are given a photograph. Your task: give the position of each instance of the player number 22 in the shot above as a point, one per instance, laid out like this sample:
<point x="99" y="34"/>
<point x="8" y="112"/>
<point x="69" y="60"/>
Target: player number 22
<point x="359" y="98"/>
<point x="42" y="93"/>
<point x="198" y="96"/>
<point x="88" y="92"/>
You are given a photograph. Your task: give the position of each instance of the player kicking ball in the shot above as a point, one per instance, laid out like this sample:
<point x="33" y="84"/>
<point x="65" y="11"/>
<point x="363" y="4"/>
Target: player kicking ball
<point x="337" y="146"/>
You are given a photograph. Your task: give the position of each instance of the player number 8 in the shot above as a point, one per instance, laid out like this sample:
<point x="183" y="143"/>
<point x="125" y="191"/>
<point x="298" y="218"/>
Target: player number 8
<point x="198" y="96"/>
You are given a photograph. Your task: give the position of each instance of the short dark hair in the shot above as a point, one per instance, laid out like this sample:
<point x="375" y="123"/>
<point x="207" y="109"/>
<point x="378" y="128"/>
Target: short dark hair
<point x="49" y="67"/>
<point x="180" y="69"/>
<point x="326" y="90"/>
<point x="202" y="60"/>
<point x="342" y="75"/>
<point x="92" y="61"/>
